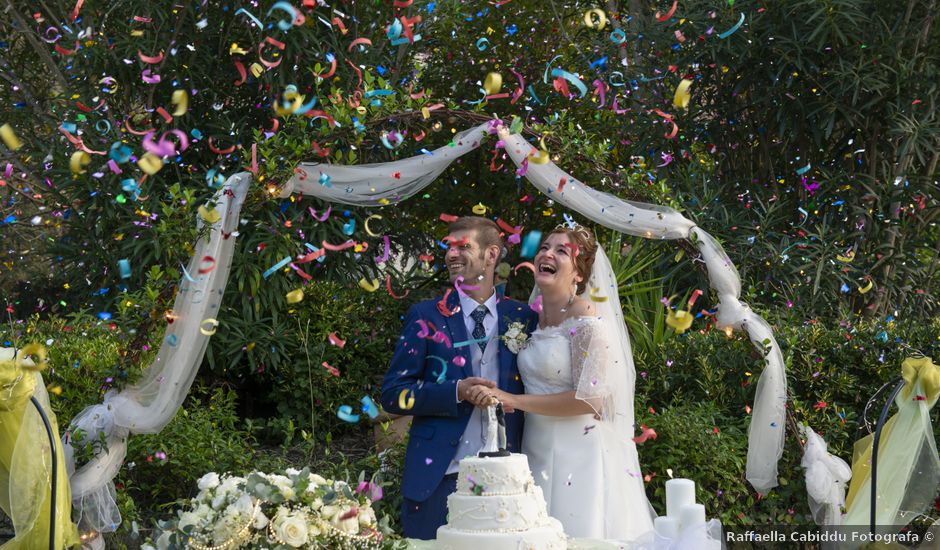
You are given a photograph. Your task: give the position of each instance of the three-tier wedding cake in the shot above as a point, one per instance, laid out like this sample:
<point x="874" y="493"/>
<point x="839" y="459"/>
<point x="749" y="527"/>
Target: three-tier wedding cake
<point x="498" y="506"/>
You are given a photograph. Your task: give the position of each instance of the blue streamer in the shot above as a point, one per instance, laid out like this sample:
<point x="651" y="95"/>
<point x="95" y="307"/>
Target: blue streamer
<point x="250" y="16"/>
<point x="733" y="29"/>
<point x="572" y="79"/>
<point x="276" y="266"/>
<point x="283" y="24"/>
<point x="345" y="414"/>
<point x="369" y="407"/>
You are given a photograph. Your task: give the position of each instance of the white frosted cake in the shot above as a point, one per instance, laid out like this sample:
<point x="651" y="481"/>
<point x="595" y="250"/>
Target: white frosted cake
<point x="498" y="506"/>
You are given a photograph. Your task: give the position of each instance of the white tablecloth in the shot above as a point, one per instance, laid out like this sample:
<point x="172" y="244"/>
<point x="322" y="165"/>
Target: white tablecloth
<point x="573" y="544"/>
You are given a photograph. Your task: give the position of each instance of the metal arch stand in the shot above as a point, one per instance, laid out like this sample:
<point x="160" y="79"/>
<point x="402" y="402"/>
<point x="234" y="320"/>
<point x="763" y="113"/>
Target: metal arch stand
<point x="899" y="384"/>
<point x="55" y="470"/>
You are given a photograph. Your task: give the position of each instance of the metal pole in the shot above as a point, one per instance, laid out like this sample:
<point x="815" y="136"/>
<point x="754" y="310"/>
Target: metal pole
<point x="874" y="453"/>
<point x="55" y="468"/>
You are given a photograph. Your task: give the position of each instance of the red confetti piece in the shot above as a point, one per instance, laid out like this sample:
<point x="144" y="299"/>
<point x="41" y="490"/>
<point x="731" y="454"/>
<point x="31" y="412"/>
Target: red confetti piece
<point x="388" y="287"/>
<point x="151" y="59"/>
<point x="333" y="370"/>
<point x="662" y="18"/>
<point x="336" y="341"/>
<point x="648" y="433"/>
<point x="448" y="218"/>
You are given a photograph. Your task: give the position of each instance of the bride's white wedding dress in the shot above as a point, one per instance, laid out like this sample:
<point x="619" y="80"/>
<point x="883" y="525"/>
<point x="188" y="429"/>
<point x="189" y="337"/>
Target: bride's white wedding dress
<point x="588" y="472"/>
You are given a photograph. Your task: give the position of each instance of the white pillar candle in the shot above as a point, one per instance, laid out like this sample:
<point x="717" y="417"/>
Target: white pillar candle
<point x="691" y="515"/>
<point x="679" y="492"/>
<point x="666" y="527"/>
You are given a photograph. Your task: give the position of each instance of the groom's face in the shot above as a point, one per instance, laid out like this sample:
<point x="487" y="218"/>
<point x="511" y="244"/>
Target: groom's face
<point x="466" y="257"/>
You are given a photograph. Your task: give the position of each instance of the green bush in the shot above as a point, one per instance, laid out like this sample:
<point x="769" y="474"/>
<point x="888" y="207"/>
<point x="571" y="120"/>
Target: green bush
<point x="696" y="391"/>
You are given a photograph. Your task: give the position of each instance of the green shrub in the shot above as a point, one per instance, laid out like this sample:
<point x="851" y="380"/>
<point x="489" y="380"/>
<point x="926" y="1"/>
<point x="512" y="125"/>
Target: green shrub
<point x="703" y="381"/>
<point x="205" y="435"/>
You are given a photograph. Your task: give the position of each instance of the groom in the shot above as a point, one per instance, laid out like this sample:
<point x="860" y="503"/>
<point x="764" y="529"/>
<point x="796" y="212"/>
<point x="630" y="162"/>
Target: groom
<point x="431" y="373"/>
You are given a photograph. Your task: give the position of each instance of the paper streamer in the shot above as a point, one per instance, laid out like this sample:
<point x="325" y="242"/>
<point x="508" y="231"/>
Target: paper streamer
<point x="733" y="29"/>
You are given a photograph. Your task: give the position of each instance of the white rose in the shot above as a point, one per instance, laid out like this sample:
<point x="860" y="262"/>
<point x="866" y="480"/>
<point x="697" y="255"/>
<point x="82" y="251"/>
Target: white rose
<point x="188" y="519"/>
<point x="316" y="479"/>
<point x="348" y="525"/>
<point x="292" y="471"/>
<point x="163" y="543"/>
<point x="292" y="529"/>
<point x="204" y="512"/>
<point x="287" y="492"/>
<point x="244" y="505"/>
<point x="218" y="501"/>
<point x="208" y="481"/>
<point x="366" y="517"/>
<point x="329" y="511"/>
<point x="261" y="521"/>
<point x="277" y="479"/>
<point x="316" y="504"/>
<point x="229" y="485"/>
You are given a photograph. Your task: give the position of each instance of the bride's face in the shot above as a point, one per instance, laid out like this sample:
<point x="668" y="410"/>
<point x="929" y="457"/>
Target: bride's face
<point x="554" y="263"/>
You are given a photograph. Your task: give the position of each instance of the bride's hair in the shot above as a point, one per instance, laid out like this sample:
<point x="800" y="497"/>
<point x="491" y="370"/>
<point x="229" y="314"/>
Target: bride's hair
<point x="587" y="249"/>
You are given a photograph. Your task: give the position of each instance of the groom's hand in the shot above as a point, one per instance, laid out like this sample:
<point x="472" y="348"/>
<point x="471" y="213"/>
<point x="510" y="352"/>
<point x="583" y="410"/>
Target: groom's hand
<point x="474" y="390"/>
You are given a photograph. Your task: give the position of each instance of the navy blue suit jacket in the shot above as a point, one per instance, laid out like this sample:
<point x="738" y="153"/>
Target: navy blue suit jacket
<point x="439" y="421"/>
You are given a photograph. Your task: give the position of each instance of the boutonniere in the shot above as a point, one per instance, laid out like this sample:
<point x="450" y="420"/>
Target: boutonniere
<point x="515" y="337"/>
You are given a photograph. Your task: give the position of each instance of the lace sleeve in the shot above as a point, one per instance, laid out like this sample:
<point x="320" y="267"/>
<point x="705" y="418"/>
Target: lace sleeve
<point x="589" y="358"/>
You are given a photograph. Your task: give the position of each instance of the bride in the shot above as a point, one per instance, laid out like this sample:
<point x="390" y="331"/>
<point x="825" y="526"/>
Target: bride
<point x="578" y="372"/>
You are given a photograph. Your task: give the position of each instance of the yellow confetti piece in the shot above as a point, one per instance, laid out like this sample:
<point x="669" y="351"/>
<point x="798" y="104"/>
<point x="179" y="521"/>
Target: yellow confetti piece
<point x="595" y="19"/>
<point x="9" y="137"/>
<point x="492" y="84"/>
<point x="256" y="69"/>
<point x="367" y="286"/>
<point x="78" y="162"/>
<point x="181" y="99"/>
<point x="595" y="297"/>
<point x="479" y="209"/>
<point x="847" y="258"/>
<point x="406" y="400"/>
<point x="236" y="49"/>
<point x="210" y="216"/>
<point x="208" y="326"/>
<point x="539" y="157"/>
<point x="366" y="224"/>
<point x="295" y="296"/>
<point x="425" y="113"/>
<point x="867" y="287"/>
<point x="150" y="163"/>
<point x="682" y="97"/>
<point x="679" y="320"/>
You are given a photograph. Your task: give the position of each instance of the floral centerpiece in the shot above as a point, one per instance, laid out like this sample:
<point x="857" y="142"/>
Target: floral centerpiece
<point x="296" y="509"/>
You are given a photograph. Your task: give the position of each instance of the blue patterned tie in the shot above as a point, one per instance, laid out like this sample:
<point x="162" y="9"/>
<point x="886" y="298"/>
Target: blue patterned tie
<point x="478" y="331"/>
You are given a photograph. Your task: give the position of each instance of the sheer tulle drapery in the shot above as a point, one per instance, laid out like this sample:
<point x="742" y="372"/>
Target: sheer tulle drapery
<point x="148" y="406"/>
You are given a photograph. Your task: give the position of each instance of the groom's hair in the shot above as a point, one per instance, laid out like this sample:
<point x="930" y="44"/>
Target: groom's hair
<point x="487" y="232"/>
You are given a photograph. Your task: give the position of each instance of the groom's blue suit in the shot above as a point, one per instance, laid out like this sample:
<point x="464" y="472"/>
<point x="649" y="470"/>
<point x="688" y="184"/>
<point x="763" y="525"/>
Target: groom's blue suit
<point x="439" y="420"/>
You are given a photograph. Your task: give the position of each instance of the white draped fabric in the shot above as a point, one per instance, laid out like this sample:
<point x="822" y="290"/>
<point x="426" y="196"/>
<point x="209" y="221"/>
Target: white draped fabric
<point x="827" y="478"/>
<point x="146" y="407"/>
<point x="151" y="403"/>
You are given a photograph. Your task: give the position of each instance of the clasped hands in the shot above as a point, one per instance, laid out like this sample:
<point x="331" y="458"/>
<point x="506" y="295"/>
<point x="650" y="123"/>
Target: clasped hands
<point x="483" y="393"/>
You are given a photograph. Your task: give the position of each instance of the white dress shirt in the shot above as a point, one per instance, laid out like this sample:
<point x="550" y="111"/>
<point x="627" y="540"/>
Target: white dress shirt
<point x="485" y="364"/>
